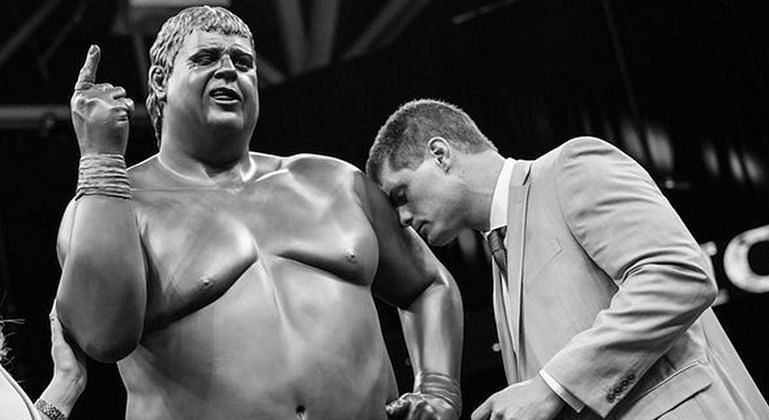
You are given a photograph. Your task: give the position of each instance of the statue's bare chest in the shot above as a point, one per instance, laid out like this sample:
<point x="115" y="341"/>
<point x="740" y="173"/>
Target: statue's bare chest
<point x="199" y="242"/>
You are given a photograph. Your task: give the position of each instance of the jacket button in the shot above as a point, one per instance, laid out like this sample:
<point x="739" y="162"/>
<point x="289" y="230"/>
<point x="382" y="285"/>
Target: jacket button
<point x="631" y="377"/>
<point x="610" y="398"/>
<point x="624" y="383"/>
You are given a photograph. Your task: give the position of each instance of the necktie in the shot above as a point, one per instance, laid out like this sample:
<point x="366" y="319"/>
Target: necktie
<point x="497" y="247"/>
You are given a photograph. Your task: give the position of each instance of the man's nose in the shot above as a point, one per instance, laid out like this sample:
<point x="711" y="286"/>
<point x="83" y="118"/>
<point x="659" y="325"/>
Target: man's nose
<point x="405" y="216"/>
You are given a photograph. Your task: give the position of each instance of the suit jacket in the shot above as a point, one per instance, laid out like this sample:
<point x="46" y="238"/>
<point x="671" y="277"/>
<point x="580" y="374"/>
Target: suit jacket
<point x="611" y="294"/>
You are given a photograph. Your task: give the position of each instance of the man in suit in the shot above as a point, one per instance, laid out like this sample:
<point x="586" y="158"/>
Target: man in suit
<point x="601" y="295"/>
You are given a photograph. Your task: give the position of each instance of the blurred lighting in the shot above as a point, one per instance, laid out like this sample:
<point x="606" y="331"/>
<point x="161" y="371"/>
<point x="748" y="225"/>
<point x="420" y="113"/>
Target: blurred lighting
<point x="710" y="157"/>
<point x="146" y="16"/>
<point x="670" y="183"/>
<point x="709" y="248"/>
<point x="660" y="148"/>
<point x="660" y="159"/>
<point x="755" y="170"/>
<point x="631" y="140"/>
<point x="735" y="166"/>
<point x="481" y="11"/>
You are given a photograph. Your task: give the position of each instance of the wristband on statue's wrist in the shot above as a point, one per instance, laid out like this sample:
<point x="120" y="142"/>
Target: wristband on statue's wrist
<point x="103" y="174"/>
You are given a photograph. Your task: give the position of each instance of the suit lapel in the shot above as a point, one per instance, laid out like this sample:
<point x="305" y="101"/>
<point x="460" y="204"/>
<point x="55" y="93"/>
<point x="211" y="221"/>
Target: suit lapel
<point x="515" y="242"/>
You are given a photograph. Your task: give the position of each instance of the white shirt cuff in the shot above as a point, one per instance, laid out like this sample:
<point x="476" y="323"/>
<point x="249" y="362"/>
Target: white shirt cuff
<point x="562" y="392"/>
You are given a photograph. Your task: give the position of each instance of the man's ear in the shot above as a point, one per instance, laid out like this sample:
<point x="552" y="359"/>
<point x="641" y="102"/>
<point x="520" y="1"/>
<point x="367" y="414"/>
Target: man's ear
<point x="440" y="151"/>
<point x="157" y="80"/>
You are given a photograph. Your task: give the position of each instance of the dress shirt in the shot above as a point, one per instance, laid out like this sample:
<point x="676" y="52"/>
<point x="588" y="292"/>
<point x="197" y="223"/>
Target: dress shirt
<point x="498" y="219"/>
<point x="498" y="213"/>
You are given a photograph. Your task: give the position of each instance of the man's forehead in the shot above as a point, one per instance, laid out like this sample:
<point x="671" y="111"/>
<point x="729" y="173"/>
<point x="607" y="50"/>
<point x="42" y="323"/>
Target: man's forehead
<point x="391" y="178"/>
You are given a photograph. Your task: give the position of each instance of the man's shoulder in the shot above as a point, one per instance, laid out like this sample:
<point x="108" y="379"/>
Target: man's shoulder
<point x="576" y="148"/>
<point x="583" y="144"/>
<point x="571" y="156"/>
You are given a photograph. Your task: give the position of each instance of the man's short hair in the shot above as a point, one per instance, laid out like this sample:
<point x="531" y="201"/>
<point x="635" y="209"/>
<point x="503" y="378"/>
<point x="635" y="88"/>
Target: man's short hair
<point x="402" y="140"/>
<point x="171" y="37"/>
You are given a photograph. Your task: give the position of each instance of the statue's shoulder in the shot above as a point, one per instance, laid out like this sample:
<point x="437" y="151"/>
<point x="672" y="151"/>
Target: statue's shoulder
<point x="145" y="174"/>
<point x="319" y="167"/>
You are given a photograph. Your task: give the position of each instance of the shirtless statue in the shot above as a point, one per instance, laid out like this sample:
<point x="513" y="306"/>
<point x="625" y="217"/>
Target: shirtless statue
<point x="228" y="284"/>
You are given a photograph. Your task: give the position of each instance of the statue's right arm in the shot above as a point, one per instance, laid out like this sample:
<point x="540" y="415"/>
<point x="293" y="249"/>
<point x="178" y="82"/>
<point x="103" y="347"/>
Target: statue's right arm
<point x="102" y="293"/>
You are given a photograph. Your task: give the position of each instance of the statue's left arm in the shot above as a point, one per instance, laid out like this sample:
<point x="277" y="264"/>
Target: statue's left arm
<point x="411" y="278"/>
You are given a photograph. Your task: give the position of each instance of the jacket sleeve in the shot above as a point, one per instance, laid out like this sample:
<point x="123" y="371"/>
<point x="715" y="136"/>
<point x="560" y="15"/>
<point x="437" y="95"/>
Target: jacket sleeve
<point x="626" y="226"/>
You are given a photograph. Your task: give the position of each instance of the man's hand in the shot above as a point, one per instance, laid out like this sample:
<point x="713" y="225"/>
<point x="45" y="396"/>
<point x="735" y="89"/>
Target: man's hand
<point x="69" y="371"/>
<point x="418" y="406"/>
<point x="529" y="400"/>
<point x="100" y="112"/>
<point x="68" y="360"/>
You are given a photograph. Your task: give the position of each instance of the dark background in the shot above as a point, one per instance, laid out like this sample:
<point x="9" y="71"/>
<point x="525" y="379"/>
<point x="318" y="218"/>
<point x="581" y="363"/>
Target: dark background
<point x="679" y="85"/>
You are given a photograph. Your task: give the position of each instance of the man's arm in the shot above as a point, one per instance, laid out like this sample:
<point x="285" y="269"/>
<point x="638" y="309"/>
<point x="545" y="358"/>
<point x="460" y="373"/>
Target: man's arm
<point x="102" y="293"/>
<point x="410" y="277"/>
<point x="627" y="227"/>
<point x="69" y="374"/>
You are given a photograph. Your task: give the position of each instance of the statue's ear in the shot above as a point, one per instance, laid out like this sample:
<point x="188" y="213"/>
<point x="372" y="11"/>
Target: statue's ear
<point x="157" y="81"/>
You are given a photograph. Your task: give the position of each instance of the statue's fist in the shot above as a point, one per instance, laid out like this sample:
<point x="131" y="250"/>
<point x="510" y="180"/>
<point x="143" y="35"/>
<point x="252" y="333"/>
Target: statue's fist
<point x="420" y="406"/>
<point x="100" y="112"/>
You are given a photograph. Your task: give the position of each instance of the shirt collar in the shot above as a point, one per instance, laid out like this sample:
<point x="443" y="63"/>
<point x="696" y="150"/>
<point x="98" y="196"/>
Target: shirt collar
<point x="499" y="202"/>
